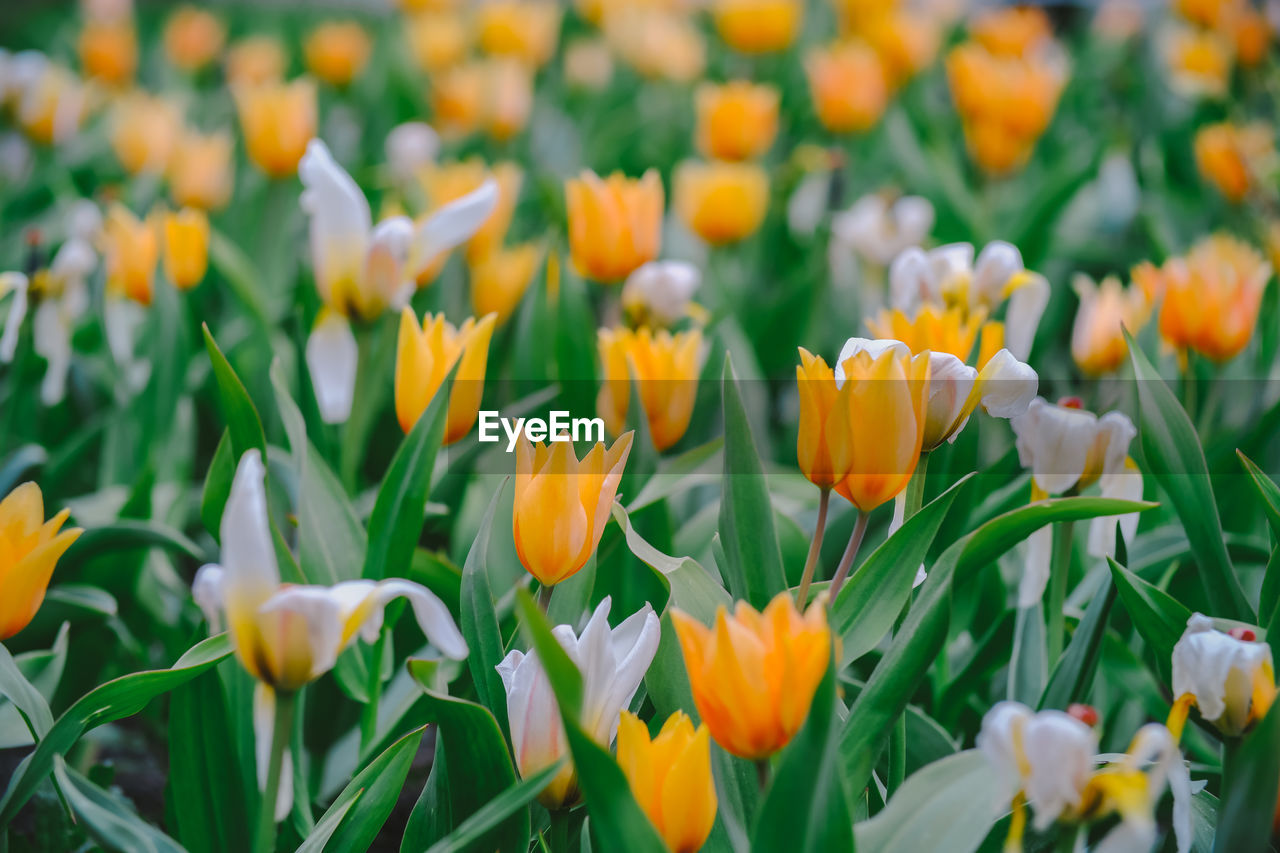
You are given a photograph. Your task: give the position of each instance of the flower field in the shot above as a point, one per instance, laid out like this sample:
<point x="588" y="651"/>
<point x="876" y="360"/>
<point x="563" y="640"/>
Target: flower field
<point x="639" y="425"/>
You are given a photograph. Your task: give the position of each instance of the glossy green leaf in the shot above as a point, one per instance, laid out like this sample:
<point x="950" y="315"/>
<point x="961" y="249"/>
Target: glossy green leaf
<point x="1074" y="674"/>
<point x="948" y="806"/>
<point x="494" y="812"/>
<point x="692" y="588"/>
<point x="701" y="465"/>
<point x="108" y="818"/>
<point x="15" y="687"/>
<point x="479" y="622"/>
<point x="1251" y="776"/>
<point x="217" y="486"/>
<point x="127" y="535"/>
<point x="1159" y="618"/>
<point x="242" y="418"/>
<point x="1267" y="490"/>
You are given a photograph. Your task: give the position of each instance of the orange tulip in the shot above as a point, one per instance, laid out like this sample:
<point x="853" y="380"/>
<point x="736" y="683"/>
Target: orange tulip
<point x="109" y="51"/>
<point x="193" y="38"/>
<point x="1011" y="30"/>
<point x="29" y="550"/>
<point x="758" y="26"/>
<point x="256" y="60"/>
<point x="494" y="95"/>
<point x="660" y="44"/>
<point x="951" y="330"/>
<point x="131" y="250"/>
<point x="500" y="279"/>
<point x="1235" y="158"/>
<point x="849" y="86"/>
<point x="823" y="423"/>
<point x="186" y="247"/>
<point x="1106" y="311"/>
<point x="278" y="120"/>
<point x="615" y="223"/>
<point x="527" y="30"/>
<point x="424" y="358"/>
<point x="438" y="39"/>
<point x="337" y="51"/>
<point x="736" y="121"/>
<point x="200" y="170"/>
<point x="665" y="366"/>
<point x="670" y="776"/>
<point x="721" y="202"/>
<point x="144" y="132"/>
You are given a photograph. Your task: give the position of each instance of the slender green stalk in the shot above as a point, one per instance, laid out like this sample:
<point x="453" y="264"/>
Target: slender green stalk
<point x="815" y="548"/>
<point x="762" y="773"/>
<point x="281" y="733"/>
<point x="1059" y="570"/>
<point x="915" y="488"/>
<point x="851" y="551"/>
<point x="559" y="832"/>
<point x="544" y="596"/>
<point x="898" y="734"/>
<point x="369" y="715"/>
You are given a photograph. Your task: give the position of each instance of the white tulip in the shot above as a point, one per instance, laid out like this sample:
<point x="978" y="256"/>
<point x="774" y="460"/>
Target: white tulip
<point x="14" y="283"/>
<point x="659" y="291"/>
<point x="877" y="231"/>
<point x="1227" y="678"/>
<point x="409" y="147"/>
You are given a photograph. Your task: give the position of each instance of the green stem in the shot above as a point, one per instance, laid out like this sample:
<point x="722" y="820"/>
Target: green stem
<point x="851" y="551"/>
<point x="544" y="597"/>
<point x="559" y="831"/>
<point x="762" y="773"/>
<point x="915" y="488"/>
<point x="815" y="548"/>
<point x="898" y="734"/>
<point x="1059" y="570"/>
<point x="369" y="716"/>
<point x="281" y="733"/>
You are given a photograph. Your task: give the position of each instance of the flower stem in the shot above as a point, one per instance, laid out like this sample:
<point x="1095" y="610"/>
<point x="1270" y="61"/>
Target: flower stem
<point x="559" y="830"/>
<point x="898" y="734"/>
<point x="762" y="773"/>
<point x="544" y="596"/>
<point x="1059" y="570"/>
<point x="369" y="716"/>
<point x="851" y="551"/>
<point x="281" y="732"/>
<point x="815" y="548"/>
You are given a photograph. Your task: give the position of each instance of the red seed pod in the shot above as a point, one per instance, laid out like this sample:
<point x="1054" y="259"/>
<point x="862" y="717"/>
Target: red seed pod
<point x="1071" y="403"/>
<point x="1086" y="714"/>
<point x="1246" y="635"/>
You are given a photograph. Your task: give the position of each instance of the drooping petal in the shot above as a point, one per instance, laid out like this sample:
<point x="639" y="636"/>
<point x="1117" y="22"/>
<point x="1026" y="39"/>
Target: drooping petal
<point x="1123" y="485"/>
<point x="15" y="283"/>
<point x="340" y="220"/>
<point x="51" y="339"/>
<point x="332" y="358"/>
<point x="264" y="715"/>
<point x="251" y="574"/>
<point x="1027" y="301"/>
<point x="207" y="590"/>
<point x="451" y="225"/>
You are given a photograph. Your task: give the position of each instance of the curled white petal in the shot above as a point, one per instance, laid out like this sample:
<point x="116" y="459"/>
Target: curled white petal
<point x="1218" y="670"/>
<point x="452" y="224"/>
<point x="248" y="551"/>
<point x="264" y="715"/>
<point x="15" y="283"/>
<point x="332" y="359"/>
<point x="873" y="347"/>
<point x="207" y="591"/>
<point x="1027" y="302"/>
<point x="340" y="220"/>
<point x="1008" y="385"/>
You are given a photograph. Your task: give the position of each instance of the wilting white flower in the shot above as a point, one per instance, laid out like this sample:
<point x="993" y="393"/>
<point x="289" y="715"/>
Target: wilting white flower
<point x="658" y="292"/>
<point x="362" y="270"/>
<point x="1231" y="681"/>
<point x="1131" y="785"/>
<point x="409" y="147"/>
<point x="949" y="275"/>
<point x="64" y="300"/>
<point x="877" y="230"/>
<point x="613" y="663"/>
<point x="809" y="202"/>
<point x="14" y="283"/>
<point x="1069" y="448"/>
<point x="287" y="635"/>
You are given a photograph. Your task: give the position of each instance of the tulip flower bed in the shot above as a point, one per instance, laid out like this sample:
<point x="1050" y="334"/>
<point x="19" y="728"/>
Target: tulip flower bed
<point x="639" y="425"/>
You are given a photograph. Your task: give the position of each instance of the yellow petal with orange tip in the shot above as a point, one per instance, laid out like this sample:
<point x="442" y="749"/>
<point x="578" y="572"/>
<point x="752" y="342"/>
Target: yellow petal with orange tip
<point x="29" y="551"/>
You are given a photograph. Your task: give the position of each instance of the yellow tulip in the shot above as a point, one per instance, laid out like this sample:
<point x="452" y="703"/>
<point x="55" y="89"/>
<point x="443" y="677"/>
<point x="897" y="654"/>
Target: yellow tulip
<point x="1106" y="311"/>
<point x="278" y="120"/>
<point x="426" y="354"/>
<point x="562" y="504"/>
<point x="906" y="41"/>
<point x="527" y="30"/>
<point x="849" y="86"/>
<point x="665" y="366"/>
<point x="193" y="38"/>
<point x="670" y="777"/>
<point x="494" y="95"/>
<point x="144" y="133"/>
<point x="758" y="26"/>
<point x="186" y="247"/>
<point x="337" y="51"/>
<point x="30" y="547"/>
<point x="438" y="39"/>
<point x="109" y="51"/>
<point x="1199" y="61"/>
<point x="951" y="330"/>
<point x="200" y="170"/>
<point x="1235" y="159"/>
<point x="256" y="60"/>
<point x="736" y="121"/>
<point x="1011" y="30"/>
<point x="753" y="674"/>
<point x="52" y="109"/>
<point x="660" y="44"/>
<point x="451" y="181"/>
<point x="499" y="280"/>
<point x="615" y="223"/>
<point x="1251" y="34"/>
<point x="823" y="422"/>
<point x="588" y="64"/>
<point x="131" y="251"/>
<point x="721" y="202"/>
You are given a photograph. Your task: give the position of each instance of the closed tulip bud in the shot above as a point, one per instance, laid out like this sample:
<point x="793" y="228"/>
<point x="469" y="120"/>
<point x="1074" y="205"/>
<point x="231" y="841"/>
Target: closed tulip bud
<point x="109" y="51"/>
<point x="753" y="674"/>
<point x="255" y="61"/>
<point x="1211" y="297"/>
<point x="131" y="251"/>
<point x="200" y="170"/>
<point x="1235" y="159"/>
<point x="193" y="38"/>
<point x="721" y="202"/>
<point x="670" y="777"/>
<point x="426" y="354"/>
<point x="1011" y="30"/>
<point x="849" y="87"/>
<point x="337" y="51"/>
<point x="186" y="247"/>
<point x="438" y="39"/>
<point x="1231" y="681"/>
<point x="278" y="120"/>
<point x="736" y="121"/>
<point x="615" y="223"/>
<point x="941" y="330"/>
<point x="144" y="133"/>
<point x="527" y="30"/>
<point x="758" y="26"/>
<point x="1106" y="311"/>
<point x="823" y="422"/>
<point x="562" y="504"/>
<point x="30" y="547"/>
<point x="664" y="365"/>
<point x="499" y="280"/>
<point x="660" y="44"/>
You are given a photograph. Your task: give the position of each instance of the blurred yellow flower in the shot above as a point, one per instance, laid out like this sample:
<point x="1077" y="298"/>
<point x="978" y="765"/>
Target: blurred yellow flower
<point x="1205" y="13"/>
<point x="848" y="85"/>
<point x="737" y="120"/>
<point x="52" y="108"/>
<point x="256" y="60"/>
<point x="426" y="354"/>
<point x="337" y="51"/>
<point x="1106" y="311"/>
<point x="670" y="777"/>
<point x="278" y="120"/>
<point x="493" y="95"/>
<point x="658" y="43"/>
<point x="588" y="64"/>
<point x="144" y="132"/>
<point x="438" y="40"/>
<point x="131" y="250"/>
<point x="615" y="223"/>
<point x="193" y="38"/>
<point x="1236" y="158"/>
<point x="952" y="330"/>
<point x="665" y="368"/>
<point x="1011" y="30"/>
<point x="721" y="202"/>
<point x="906" y="41"/>
<point x="200" y="170"/>
<point x="1199" y="61"/>
<point x="186" y="247"/>
<point x="1251" y="34"/>
<point x="562" y="504"/>
<point x="30" y="547"/>
<point x="758" y="26"/>
<point x="754" y="674"/>
<point x="528" y="30"/>
<point x="109" y="51"/>
<point x="500" y="279"/>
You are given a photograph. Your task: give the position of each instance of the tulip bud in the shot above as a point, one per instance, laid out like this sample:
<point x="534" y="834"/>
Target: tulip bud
<point x="131" y="249"/>
<point x="200" y="170"/>
<point x="736" y="121"/>
<point x="337" y="51"/>
<point x="186" y="247"/>
<point x="1106" y="311"/>
<point x="144" y="133"/>
<point x="1231" y="681"/>
<point x="109" y="51"/>
<point x="849" y="87"/>
<point x="670" y="777"/>
<point x="193" y="38"/>
<point x="278" y="120"/>
<point x="499" y="280"/>
<point x="426" y="354"/>
<point x="615" y="223"/>
<point x="758" y="26"/>
<point x="527" y="30"/>
<point x="665" y="366"/>
<point x="255" y="61"/>
<point x="34" y="547"/>
<point x="721" y="202"/>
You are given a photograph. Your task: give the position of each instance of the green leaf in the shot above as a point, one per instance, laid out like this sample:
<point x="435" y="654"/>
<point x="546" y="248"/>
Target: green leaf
<point x="867" y="606"/>
<point x="398" y="513"/>
<point x="128" y="535"/>
<point x="1074" y="674"/>
<point x="939" y="809"/>
<point x="575" y="344"/>
<point x="700" y="465"/>
<point x="1267" y="490"/>
<point x="806" y="807"/>
<point x="18" y="463"/>
<point x="217" y="486"/>
<point x="119" y="698"/>
<point x="561" y="671"/>
<point x="318" y="838"/>
<point x="1159" y="618"/>
<point x="1176" y="459"/>
<point x="369" y="798"/>
<point x="747" y="533"/>
<point x="479" y="622"/>
<point x="206" y="781"/>
<point x="108" y="818"/>
<point x="497" y="810"/>
<point x="691" y="586"/>
<point x="1250" y="778"/>
<point x="23" y="694"/>
<point x="242" y="417"/>
<point x="474" y="743"/>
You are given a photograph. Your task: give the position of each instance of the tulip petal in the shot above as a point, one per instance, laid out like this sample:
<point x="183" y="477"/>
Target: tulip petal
<point x="16" y="283"/>
<point x="451" y="225"/>
<point x="207" y="590"/>
<point x="340" y="219"/>
<point x="332" y="358"/>
<point x="248" y="553"/>
<point x="264" y="716"/>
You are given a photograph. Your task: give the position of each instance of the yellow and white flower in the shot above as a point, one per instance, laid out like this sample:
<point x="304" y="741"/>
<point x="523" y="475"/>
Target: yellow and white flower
<point x="658" y="293"/>
<point x="1230" y="679"/>
<point x="410" y="147"/>
<point x="876" y="230"/>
